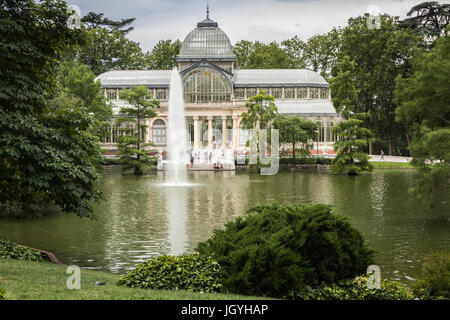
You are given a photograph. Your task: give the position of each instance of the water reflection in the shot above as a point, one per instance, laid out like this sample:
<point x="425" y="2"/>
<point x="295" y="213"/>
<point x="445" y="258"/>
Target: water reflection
<point x="142" y="218"/>
<point x="176" y="213"/>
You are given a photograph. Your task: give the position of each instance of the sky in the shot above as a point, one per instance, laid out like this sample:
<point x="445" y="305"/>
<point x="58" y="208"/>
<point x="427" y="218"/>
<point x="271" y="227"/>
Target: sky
<point x="263" y="20"/>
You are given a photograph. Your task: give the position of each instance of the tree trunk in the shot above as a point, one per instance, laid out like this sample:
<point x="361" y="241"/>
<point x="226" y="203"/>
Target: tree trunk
<point x="370" y="148"/>
<point x="139" y="137"/>
<point x="293" y="153"/>
<point x="408" y="142"/>
<point x="390" y="144"/>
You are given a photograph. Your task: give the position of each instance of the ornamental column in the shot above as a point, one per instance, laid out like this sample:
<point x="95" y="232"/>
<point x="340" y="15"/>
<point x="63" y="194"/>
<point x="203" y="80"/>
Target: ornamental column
<point x="196" y="133"/>
<point x="210" y="132"/>
<point x="235" y="133"/>
<point x="224" y="132"/>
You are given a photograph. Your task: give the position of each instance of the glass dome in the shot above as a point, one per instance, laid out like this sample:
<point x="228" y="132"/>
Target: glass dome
<point x="206" y="85"/>
<point x="206" y="42"/>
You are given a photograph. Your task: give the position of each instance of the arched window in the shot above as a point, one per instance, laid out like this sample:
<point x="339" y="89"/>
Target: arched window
<point x="159" y="131"/>
<point x="206" y="84"/>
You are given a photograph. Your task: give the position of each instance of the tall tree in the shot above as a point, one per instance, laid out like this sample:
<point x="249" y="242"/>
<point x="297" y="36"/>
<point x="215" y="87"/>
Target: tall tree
<point x="258" y="55"/>
<point x="321" y="52"/>
<point x="296" y="131"/>
<point x="424" y="106"/>
<point x="261" y="111"/>
<point x="97" y="20"/>
<point x="295" y="48"/>
<point x="110" y="50"/>
<point x="132" y="151"/>
<point x="379" y="56"/>
<point x="429" y="18"/>
<point x="46" y="154"/>
<point x="163" y="55"/>
<point x="352" y="135"/>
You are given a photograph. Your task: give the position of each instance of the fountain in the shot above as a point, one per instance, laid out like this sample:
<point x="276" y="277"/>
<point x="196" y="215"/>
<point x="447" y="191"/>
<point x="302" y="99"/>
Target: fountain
<point x="177" y="142"/>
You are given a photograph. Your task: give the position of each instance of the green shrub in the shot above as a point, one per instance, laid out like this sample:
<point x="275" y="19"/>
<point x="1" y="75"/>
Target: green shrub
<point x="357" y="289"/>
<point x="2" y="294"/>
<point x="10" y="250"/>
<point x="193" y="272"/>
<point x="309" y="160"/>
<point x="278" y="250"/>
<point x="434" y="282"/>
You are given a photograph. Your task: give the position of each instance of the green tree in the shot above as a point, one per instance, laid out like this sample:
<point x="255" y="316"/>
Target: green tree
<point x="423" y="100"/>
<point x="97" y="20"/>
<point x="295" y="48"/>
<point x="429" y="18"/>
<point x="107" y="50"/>
<point x="258" y="55"/>
<point x="163" y="55"/>
<point x="321" y="52"/>
<point x="76" y="79"/>
<point x="351" y="139"/>
<point x="379" y="56"/>
<point x="352" y="136"/>
<point x="132" y="153"/>
<point x="296" y="130"/>
<point x="46" y="154"/>
<point x="261" y="111"/>
<point x="76" y="85"/>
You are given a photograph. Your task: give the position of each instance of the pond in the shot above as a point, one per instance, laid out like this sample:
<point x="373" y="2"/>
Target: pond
<point x="142" y="217"/>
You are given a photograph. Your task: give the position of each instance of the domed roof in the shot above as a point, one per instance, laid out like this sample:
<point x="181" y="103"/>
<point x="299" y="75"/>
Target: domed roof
<point x="206" y="41"/>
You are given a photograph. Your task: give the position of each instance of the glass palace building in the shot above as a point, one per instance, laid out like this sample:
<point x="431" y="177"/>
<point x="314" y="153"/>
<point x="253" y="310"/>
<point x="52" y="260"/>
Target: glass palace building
<point x="215" y="93"/>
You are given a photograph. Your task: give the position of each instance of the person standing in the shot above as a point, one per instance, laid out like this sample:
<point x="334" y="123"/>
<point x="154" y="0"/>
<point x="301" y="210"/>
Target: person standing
<point x="382" y="154"/>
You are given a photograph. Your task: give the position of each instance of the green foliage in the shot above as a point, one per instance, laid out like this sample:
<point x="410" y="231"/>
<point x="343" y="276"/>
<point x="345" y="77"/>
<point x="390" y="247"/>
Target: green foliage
<point x="307" y="160"/>
<point x="434" y="282"/>
<point x="357" y="289"/>
<point x="352" y="136"/>
<point x="192" y="272"/>
<point x="258" y="55"/>
<point x="429" y="19"/>
<point x="47" y="154"/>
<point x="379" y="55"/>
<point x="343" y="91"/>
<point x="261" y="111"/>
<point x="295" y="130"/>
<point x="423" y="101"/>
<point x="95" y="20"/>
<point x="10" y="250"/>
<point x="2" y="294"/>
<point x="321" y="52"/>
<point x="163" y="55"/>
<point x="278" y="250"/>
<point x="132" y="153"/>
<point x="107" y="50"/>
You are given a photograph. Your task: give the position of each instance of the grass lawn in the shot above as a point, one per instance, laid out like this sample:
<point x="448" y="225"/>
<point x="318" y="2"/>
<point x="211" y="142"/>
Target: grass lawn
<point x="391" y="165"/>
<point x="25" y="280"/>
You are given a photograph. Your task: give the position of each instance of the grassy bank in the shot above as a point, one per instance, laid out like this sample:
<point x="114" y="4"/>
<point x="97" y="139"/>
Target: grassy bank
<point x="391" y="165"/>
<point x="25" y="280"/>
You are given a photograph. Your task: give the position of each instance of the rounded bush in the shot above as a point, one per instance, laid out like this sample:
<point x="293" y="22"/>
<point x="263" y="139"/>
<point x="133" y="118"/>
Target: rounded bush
<point x="357" y="289"/>
<point x="10" y="250"/>
<point x="434" y="282"/>
<point x="2" y="294"/>
<point x="191" y="272"/>
<point x="279" y="250"/>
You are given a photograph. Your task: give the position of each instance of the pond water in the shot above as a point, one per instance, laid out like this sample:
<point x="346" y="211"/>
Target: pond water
<point x="142" y="217"/>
